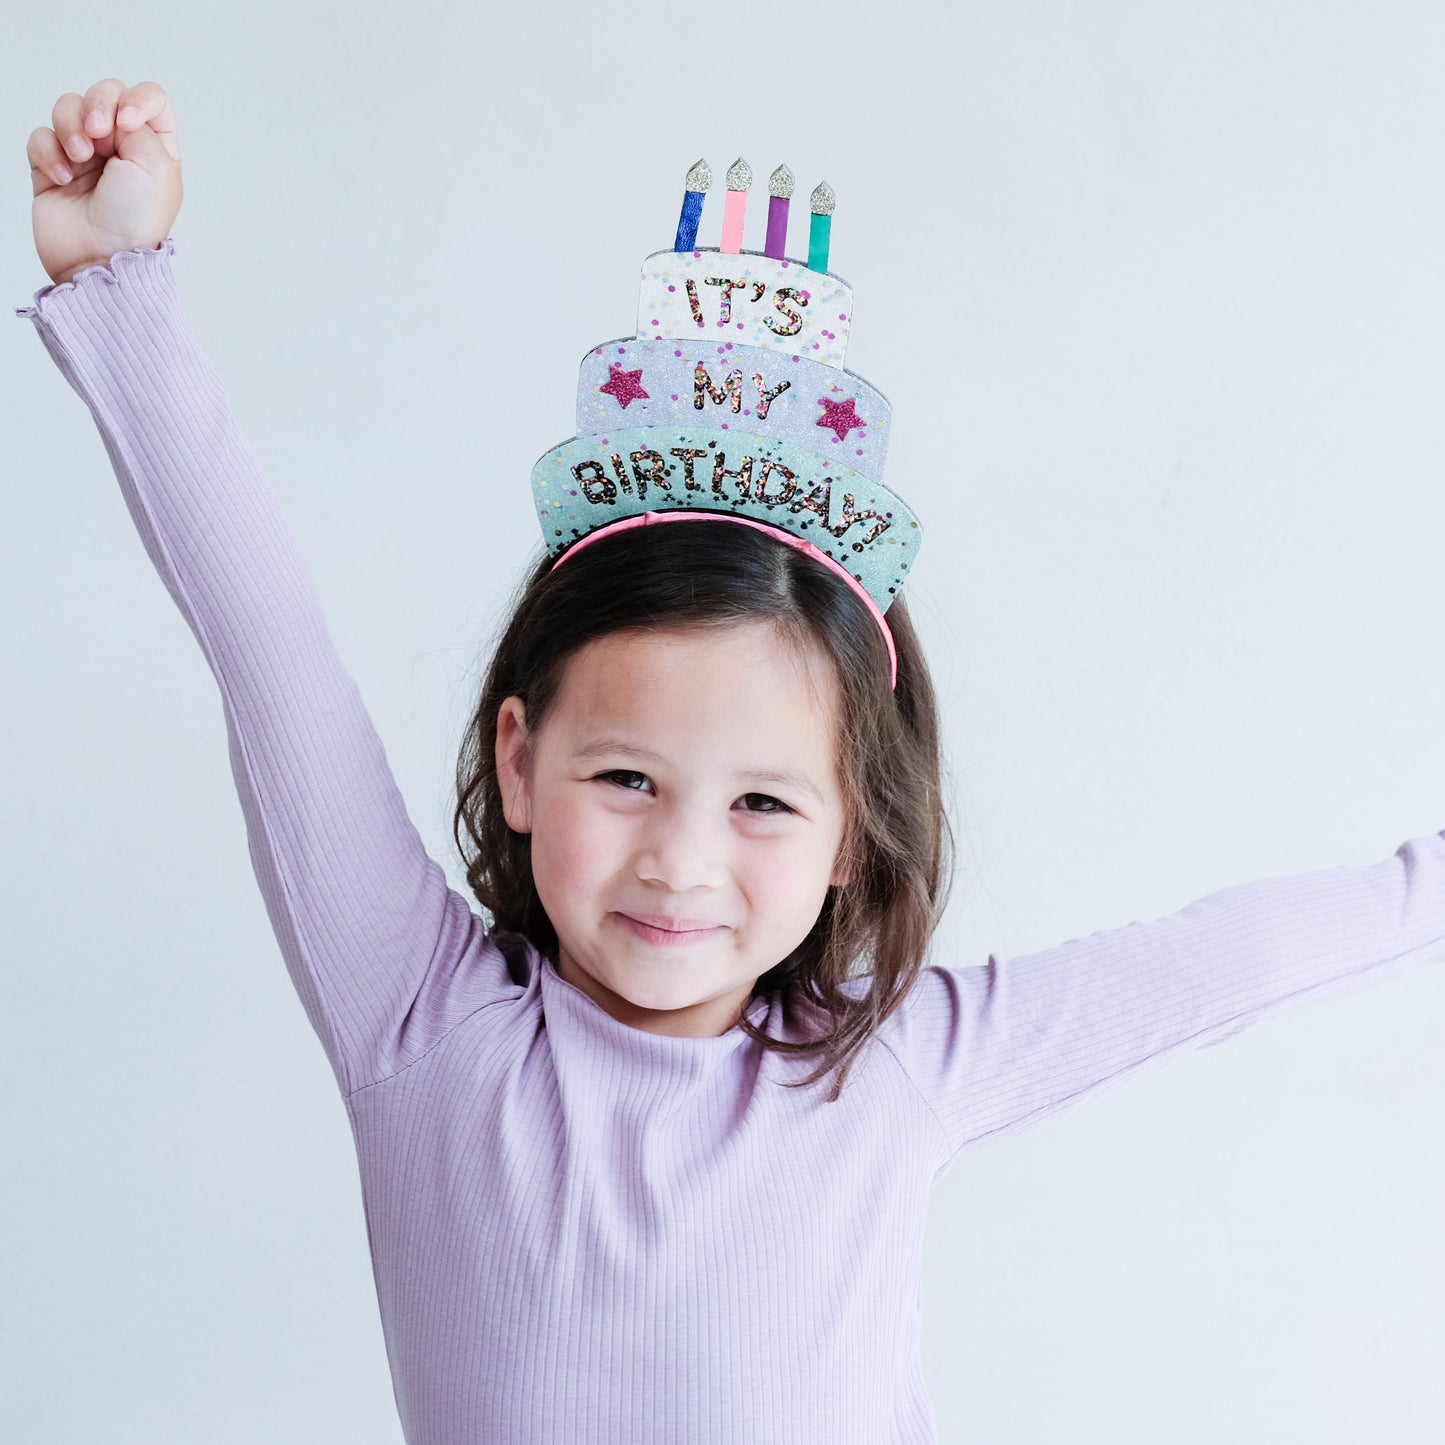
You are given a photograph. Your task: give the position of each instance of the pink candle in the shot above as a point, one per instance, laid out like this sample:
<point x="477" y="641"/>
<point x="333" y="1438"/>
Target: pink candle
<point x="739" y="179"/>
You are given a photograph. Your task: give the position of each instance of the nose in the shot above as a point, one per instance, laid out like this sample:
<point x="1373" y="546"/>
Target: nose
<point x="682" y="849"/>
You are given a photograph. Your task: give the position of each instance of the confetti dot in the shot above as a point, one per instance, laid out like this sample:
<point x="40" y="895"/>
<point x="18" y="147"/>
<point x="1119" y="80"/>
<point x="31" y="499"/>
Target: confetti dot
<point x="677" y="353"/>
<point x="656" y="322"/>
<point x="674" y="288"/>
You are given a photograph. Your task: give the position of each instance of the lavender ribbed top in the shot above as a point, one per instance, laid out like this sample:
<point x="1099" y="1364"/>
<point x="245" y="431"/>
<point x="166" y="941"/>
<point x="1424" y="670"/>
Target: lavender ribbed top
<point x="580" y="1231"/>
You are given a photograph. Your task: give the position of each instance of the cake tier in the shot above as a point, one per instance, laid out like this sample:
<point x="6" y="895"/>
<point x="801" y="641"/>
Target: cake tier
<point x="749" y="390"/>
<point x="593" y="480"/>
<point x="747" y="298"/>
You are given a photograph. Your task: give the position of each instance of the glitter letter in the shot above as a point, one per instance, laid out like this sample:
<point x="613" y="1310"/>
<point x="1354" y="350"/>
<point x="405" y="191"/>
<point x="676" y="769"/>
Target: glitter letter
<point x="789" y="486"/>
<point x="731" y="389"/>
<point x="692" y="301"/>
<point x="851" y="515"/>
<point x="623" y="479"/>
<point x="744" y="474"/>
<point x="728" y="287"/>
<point x="766" y="398"/>
<point x="819" y="500"/>
<point x="688" y="455"/>
<point x="656" y="472"/>
<point x="596" y="486"/>
<point x="795" y="318"/>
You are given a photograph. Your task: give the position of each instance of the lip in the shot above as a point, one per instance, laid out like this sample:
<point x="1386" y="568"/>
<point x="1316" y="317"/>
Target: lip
<point x="668" y="932"/>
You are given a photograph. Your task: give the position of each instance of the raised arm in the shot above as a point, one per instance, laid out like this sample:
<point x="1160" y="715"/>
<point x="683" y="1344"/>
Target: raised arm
<point x="385" y="957"/>
<point x="995" y="1048"/>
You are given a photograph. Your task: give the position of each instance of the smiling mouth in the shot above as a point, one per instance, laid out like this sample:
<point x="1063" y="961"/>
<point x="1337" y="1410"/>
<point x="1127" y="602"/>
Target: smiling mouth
<point x="668" y="932"/>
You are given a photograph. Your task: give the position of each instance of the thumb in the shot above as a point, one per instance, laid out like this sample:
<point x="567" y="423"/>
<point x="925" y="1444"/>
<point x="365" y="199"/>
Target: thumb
<point x="146" y="147"/>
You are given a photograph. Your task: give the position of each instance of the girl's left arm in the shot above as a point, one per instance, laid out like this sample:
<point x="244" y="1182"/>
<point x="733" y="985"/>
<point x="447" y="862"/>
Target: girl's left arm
<point x="995" y="1048"/>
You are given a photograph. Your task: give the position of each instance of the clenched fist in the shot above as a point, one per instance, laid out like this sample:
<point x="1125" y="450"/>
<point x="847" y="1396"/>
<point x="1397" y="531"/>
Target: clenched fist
<point x="107" y="175"/>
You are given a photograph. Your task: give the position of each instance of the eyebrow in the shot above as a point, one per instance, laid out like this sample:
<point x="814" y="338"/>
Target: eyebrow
<point x="784" y="777"/>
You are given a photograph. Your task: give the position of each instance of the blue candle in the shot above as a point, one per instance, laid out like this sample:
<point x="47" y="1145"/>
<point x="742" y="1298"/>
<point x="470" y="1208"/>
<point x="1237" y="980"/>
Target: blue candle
<point x="699" y="181"/>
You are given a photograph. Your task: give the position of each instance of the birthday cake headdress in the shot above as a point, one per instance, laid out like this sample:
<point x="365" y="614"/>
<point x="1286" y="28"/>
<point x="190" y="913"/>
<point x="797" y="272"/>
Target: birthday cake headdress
<point x="732" y="401"/>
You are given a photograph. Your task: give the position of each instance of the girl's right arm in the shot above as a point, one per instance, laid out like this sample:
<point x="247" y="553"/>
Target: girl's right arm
<point x="385" y="956"/>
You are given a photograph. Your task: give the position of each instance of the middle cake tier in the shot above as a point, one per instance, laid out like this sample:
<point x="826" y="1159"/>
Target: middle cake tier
<point x="677" y="383"/>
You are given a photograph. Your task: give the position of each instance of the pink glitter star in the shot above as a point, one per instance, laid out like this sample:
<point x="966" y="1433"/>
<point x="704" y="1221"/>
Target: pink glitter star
<point x="626" y="386"/>
<point x="840" y="415"/>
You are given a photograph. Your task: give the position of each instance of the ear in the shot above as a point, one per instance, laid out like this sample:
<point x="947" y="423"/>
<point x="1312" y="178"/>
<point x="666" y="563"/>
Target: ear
<point x="514" y="773"/>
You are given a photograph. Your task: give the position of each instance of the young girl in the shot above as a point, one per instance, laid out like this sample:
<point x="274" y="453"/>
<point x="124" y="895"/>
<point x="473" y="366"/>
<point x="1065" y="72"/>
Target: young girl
<point x="645" y="1152"/>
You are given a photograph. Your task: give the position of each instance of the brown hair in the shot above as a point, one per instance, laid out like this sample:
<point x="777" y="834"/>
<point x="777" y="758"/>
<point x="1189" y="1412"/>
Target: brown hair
<point x="897" y="838"/>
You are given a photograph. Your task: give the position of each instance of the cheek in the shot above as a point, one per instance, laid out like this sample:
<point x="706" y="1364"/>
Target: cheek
<point x="789" y="882"/>
<point x="573" y="841"/>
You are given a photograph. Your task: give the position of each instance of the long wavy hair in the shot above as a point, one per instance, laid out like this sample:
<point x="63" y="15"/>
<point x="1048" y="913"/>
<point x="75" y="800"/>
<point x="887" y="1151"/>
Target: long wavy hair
<point x="897" y="841"/>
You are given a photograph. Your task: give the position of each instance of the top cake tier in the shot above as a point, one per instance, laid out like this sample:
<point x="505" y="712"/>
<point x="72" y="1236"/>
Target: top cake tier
<point x="746" y="298"/>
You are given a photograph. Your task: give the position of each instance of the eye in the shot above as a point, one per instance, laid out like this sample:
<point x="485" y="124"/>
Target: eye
<point x="624" y="778"/>
<point x="763" y="803"/>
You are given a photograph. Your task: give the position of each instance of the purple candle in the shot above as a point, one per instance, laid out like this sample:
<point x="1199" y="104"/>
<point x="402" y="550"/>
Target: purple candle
<point x="780" y="191"/>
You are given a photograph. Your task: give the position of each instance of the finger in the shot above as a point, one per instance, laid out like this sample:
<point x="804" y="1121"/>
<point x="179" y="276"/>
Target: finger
<point x="47" y="160"/>
<point x="98" y="116"/>
<point x="145" y="104"/>
<point x="99" y="107"/>
<point x="69" y="126"/>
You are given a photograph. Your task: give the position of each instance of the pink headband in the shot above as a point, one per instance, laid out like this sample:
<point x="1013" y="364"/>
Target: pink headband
<point x="647" y="519"/>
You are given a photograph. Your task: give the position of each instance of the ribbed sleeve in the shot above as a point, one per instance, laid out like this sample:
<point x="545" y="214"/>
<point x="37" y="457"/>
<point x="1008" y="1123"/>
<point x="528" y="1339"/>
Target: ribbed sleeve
<point x="995" y="1048"/>
<point x="365" y="920"/>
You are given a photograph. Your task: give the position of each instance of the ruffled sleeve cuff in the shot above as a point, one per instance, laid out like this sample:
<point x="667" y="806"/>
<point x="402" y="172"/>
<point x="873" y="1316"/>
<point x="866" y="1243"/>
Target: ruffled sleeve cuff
<point x="123" y="267"/>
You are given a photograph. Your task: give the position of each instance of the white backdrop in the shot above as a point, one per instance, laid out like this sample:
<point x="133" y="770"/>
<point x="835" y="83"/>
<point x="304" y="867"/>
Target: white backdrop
<point x="1156" y="293"/>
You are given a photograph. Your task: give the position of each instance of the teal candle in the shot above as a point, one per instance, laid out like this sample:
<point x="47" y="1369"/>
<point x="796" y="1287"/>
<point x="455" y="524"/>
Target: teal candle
<point x="820" y="228"/>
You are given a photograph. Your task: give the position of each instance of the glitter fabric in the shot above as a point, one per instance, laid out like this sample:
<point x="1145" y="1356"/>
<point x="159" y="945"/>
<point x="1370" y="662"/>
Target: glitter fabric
<point x="795" y="318"/>
<point x="780" y="183"/>
<point x="840" y="416"/>
<point x="626" y="386"/>
<point x="732" y="400"/>
<point x="849" y="516"/>
<point x="683" y="295"/>
<point x="822" y="201"/>
<point x="781" y="396"/>
<point x="725" y="306"/>
<point x="730" y="391"/>
<point x="694" y="305"/>
<point x="699" y="178"/>
<point x="740" y="176"/>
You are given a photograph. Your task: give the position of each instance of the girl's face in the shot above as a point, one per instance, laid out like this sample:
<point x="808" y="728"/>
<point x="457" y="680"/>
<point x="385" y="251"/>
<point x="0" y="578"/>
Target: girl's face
<point x="686" y="816"/>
